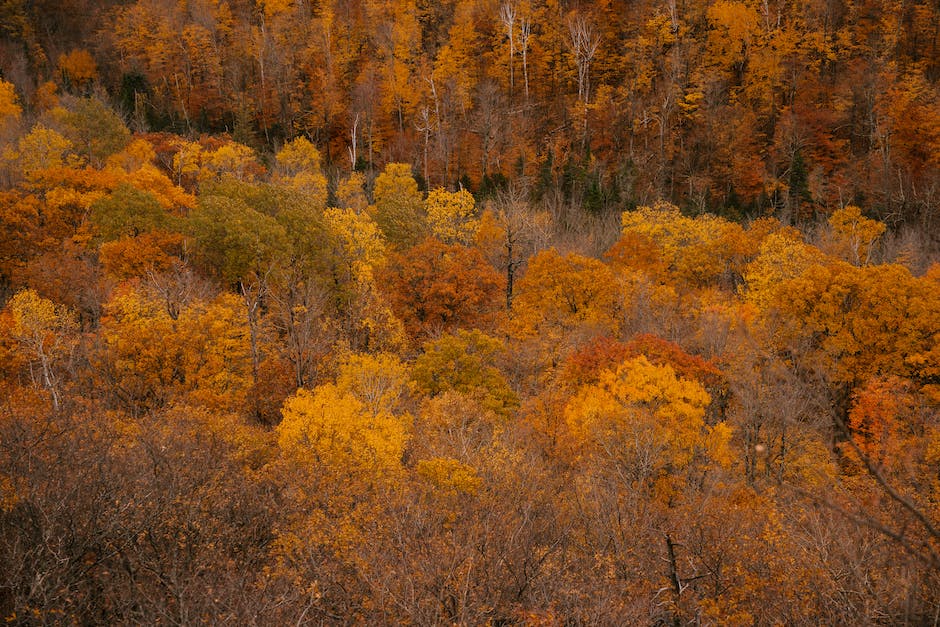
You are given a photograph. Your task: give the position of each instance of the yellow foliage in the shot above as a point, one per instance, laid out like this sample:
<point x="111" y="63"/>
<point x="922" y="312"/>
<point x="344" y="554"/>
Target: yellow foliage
<point x="351" y="194"/>
<point x="41" y="149"/>
<point x="37" y="321"/>
<point x="649" y="417"/>
<point x="188" y="160"/>
<point x="854" y="234"/>
<point x="449" y="475"/>
<point x="230" y="159"/>
<point x="46" y="96"/>
<point x="299" y="166"/>
<point x="396" y="184"/>
<point x="10" y="109"/>
<point x="216" y="355"/>
<point x="559" y="293"/>
<point x="861" y="321"/>
<point x="135" y="155"/>
<point x="694" y="251"/>
<point x="61" y="197"/>
<point x="332" y="427"/>
<point x="361" y="241"/>
<point x="782" y="256"/>
<point x="454" y="60"/>
<point x="149" y="178"/>
<point x="450" y="216"/>
<point x="398" y="206"/>
<point x="297" y="156"/>
<point x="490" y="234"/>
<point x="378" y="381"/>
<point x="733" y="26"/>
<point x="204" y="353"/>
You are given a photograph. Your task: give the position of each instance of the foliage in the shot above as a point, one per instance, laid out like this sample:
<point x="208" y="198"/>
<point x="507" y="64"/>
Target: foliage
<point x="560" y="293"/>
<point x="463" y="363"/>
<point x="450" y="216"/>
<point x="334" y="341"/>
<point x="436" y="287"/>
<point x="648" y="419"/>
<point x="328" y="426"/>
<point x="399" y="206"/>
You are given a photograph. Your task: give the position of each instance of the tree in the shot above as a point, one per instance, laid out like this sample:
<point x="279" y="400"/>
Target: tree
<point x="509" y="232"/>
<point x="230" y="159"/>
<point x="875" y="420"/>
<point x="399" y="207"/>
<point x="782" y="255"/>
<point x="39" y="150"/>
<point x="694" y="251"/>
<point x="128" y="211"/>
<point x="647" y="420"/>
<point x="242" y="246"/>
<point x="10" y="109"/>
<point x="332" y="427"/>
<point x="142" y="256"/>
<point x="79" y="70"/>
<point x="96" y="132"/>
<point x="434" y="287"/>
<point x="298" y="165"/>
<point x="380" y="381"/>
<point x="560" y="294"/>
<point x="44" y="330"/>
<point x="462" y="363"/>
<point x="451" y="216"/>
<point x="235" y="241"/>
<point x="584" y="40"/>
<point x="855" y="323"/>
<point x="854" y="234"/>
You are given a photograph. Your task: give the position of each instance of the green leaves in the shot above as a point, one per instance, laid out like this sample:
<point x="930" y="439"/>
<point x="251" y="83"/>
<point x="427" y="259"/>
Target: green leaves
<point x="234" y="240"/>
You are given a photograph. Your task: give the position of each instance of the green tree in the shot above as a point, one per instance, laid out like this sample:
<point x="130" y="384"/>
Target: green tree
<point x="399" y="206"/>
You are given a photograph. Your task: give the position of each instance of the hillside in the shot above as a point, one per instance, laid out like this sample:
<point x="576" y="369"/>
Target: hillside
<point x="529" y="313"/>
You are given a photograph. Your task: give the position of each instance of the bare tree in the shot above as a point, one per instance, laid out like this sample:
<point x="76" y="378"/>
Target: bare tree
<point x="584" y="43"/>
<point x="507" y="15"/>
<point x="525" y="34"/>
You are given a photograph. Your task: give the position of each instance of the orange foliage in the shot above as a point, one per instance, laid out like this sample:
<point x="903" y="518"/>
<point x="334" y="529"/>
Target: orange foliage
<point x="434" y="287"/>
<point x="137" y="256"/>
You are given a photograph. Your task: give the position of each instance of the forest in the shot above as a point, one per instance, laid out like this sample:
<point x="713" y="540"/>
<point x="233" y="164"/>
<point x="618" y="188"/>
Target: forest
<point x="470" y="312"/>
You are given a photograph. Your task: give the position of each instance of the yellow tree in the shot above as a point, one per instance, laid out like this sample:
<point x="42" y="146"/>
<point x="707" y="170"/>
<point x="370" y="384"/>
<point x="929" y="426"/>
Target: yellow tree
<point x="216" y="355"/>
<point x="857" y="323"/>
<point x="854" y="235"/>
<point x="649" y="421"/>
<point x="350" y="193"/>
<point x="379" y="381"/>
<point x="43" y="329"/>
<point x="558" y="294"/>
<point x="298" y="165"/>
<point x="782" y="255"/>
<point x="200" y="352"/>
<point x="330" y="426"/>
<point x="39" y="150"/>
<point x="398" y="40"/>
<point x="463" y="363"/>
<point x="78" y="69"/>
<point x="231" y="159"/>
<point x="694" y="251"/>
<point x="141" y="360"/>
<point x="10" y="109"/>
<point x="451" y="216"/>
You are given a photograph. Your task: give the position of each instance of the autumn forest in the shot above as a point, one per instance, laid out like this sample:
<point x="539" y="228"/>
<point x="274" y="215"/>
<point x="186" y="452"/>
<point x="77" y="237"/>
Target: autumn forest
<point x="470" y="312"/>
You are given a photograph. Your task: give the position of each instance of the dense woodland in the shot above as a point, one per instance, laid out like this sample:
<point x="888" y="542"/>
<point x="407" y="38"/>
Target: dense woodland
<point x="469" y="312"/>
